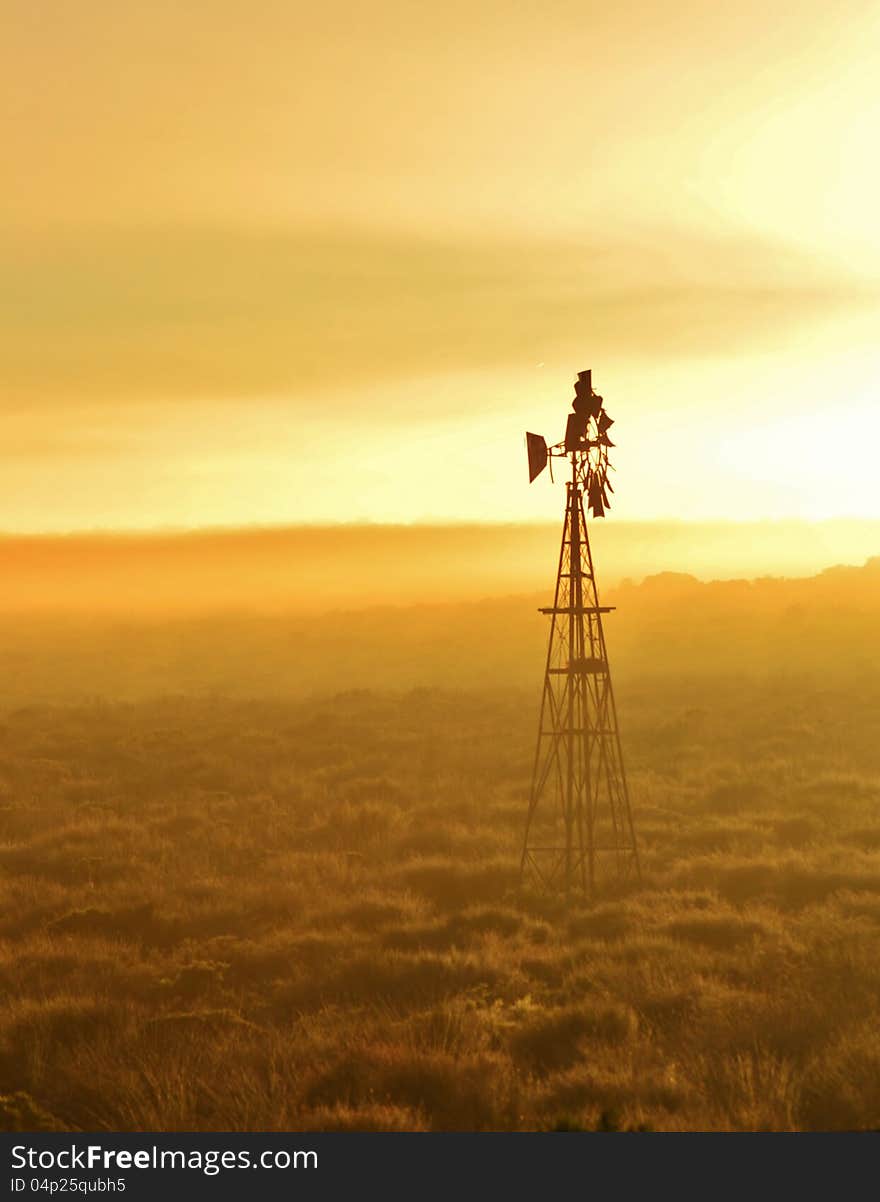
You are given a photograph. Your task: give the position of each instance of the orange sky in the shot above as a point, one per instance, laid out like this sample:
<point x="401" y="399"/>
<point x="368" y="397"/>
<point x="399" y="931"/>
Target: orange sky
<point x="274" y="263"/>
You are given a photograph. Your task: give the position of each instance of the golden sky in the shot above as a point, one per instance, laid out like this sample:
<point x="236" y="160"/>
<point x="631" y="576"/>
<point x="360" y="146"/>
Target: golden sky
<point x="269" y="262"/>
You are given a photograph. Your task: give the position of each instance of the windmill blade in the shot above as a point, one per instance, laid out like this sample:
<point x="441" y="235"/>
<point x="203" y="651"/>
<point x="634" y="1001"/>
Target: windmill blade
<point x="575" y="429"/>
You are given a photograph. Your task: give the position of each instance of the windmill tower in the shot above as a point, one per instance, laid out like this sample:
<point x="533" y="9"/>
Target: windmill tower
<point x="579" y="830"/>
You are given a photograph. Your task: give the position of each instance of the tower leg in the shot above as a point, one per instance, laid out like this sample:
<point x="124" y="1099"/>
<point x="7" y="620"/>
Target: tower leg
<point x="579" y="832"/>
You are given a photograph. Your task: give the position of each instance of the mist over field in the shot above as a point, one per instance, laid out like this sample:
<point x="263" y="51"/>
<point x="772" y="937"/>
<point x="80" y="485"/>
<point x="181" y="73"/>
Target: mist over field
<point x="259" y="870"/>
<point x="668" y="625"/>
<point x="310" y="569"/>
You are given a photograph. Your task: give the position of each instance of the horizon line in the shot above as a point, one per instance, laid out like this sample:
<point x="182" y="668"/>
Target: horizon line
<point x="182" y="531"/>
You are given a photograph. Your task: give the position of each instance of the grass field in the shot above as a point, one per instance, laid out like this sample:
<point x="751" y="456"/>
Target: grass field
<point x="244" y="914"/>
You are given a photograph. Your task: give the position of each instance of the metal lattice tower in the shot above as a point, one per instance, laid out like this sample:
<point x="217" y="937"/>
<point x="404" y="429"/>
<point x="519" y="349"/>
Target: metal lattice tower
<point x="579" y="830"/>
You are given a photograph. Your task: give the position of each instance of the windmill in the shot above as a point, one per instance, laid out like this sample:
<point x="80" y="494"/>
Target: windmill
<point x="579" y="830"/>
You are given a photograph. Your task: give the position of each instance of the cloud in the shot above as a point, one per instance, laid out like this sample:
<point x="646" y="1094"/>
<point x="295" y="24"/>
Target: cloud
<point x="169" y="314"/>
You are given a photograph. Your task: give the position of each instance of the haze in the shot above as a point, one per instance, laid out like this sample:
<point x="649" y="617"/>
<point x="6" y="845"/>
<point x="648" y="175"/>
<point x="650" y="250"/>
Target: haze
<point x="269" y="265"/>
<point x="283" y="287"/>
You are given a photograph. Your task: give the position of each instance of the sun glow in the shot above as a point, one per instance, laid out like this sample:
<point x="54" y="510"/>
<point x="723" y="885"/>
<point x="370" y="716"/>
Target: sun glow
<point x="200" y="330"/>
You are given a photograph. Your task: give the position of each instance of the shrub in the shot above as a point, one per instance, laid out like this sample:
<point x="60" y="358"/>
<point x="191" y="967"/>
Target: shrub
<point x="841" y="1085"/>
<point x="556" y="1038"/>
